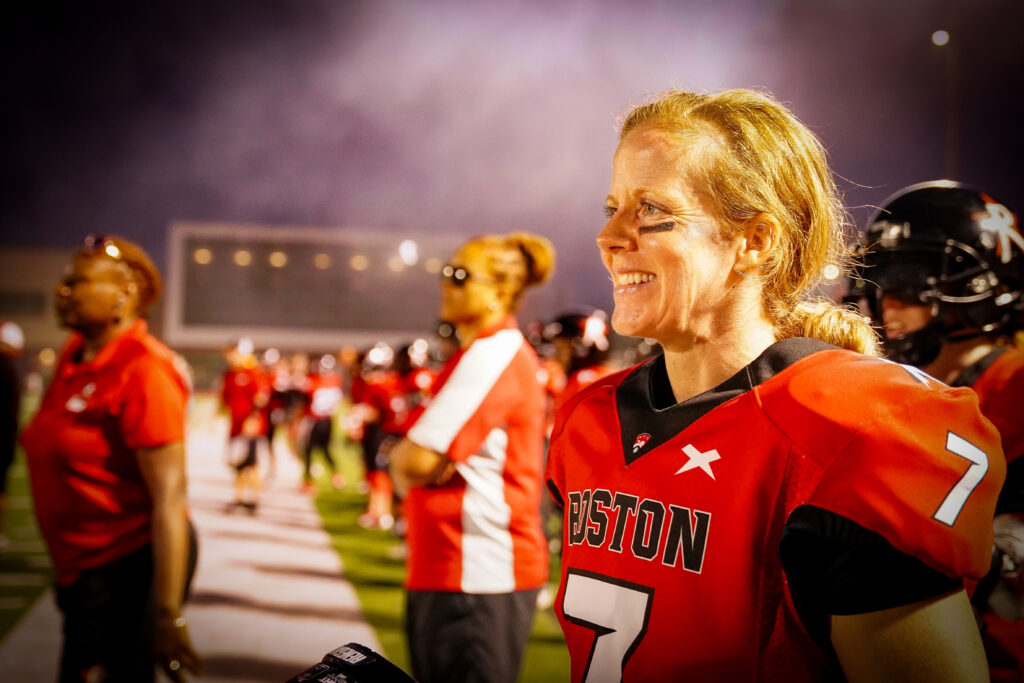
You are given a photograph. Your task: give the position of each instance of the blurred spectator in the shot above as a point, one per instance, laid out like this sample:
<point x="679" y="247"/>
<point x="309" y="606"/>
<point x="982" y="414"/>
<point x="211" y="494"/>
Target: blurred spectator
<point x="106" y="459"/>
<point x="471" y="469"/>
<point x="12" y="343"/>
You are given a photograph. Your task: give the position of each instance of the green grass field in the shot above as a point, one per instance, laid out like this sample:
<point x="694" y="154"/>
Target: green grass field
<point x="371" y="559"/>
<point x="373" y="564"/>
<point x="25" y="569"/>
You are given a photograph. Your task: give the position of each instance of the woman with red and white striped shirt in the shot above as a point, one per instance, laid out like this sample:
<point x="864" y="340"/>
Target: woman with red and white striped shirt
<point x="471" y="469"/>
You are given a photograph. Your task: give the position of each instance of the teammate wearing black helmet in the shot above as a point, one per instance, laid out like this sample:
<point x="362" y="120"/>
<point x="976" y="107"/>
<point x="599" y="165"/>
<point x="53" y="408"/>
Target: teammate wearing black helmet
<point x="582" y="349"/>
<point x="943" y="269"/>
<point x="943" y="264"/>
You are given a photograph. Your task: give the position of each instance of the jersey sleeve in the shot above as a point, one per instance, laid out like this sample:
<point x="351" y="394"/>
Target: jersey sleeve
<point x="554" y="471"/>
<point x="1001" y="392"/>
<point x="479" y="395"/>
<point x="153" y="406"/>
<point x="901" y="455"/>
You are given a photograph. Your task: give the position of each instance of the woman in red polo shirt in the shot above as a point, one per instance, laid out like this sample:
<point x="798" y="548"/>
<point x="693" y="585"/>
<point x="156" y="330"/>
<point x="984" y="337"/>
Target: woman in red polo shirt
<point x="471" y="469"/>
<point x="106" y="459"/>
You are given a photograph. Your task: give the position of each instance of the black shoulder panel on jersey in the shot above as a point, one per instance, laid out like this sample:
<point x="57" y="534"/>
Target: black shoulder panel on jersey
<point x="971" y="373"/>
<point x="645" y="403"/>
<point x="835" y="566"/>
<point x="556" y="495"/>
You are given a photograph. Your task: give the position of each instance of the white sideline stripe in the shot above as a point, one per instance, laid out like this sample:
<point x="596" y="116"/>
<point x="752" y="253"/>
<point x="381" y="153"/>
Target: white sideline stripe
<point x="16" y="580"/>
<point x="473" y="378"/>
<point x="23" y="546"/>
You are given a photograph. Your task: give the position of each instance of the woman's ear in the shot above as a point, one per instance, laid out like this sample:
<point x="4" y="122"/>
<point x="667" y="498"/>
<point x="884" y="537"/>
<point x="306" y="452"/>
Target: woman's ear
<point x="757" y="239"/>
<point x="131" y="292"/>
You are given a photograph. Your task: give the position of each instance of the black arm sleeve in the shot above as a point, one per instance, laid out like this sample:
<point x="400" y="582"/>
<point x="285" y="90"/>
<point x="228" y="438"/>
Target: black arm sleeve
<point x="835" y="566"/>
<point x="1011" y="497"/>
<point x="555" y="494"/>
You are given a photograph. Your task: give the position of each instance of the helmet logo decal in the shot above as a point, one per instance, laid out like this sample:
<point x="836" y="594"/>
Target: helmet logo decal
<point x="998" y="220"/>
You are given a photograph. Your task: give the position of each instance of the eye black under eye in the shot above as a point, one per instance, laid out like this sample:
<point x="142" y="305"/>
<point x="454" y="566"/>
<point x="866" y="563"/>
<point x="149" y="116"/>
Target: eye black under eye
<point x="660" y="227"/>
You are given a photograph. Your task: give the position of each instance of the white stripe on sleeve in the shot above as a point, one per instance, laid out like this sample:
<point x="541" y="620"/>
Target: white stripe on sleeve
<point x="466" y="388"/>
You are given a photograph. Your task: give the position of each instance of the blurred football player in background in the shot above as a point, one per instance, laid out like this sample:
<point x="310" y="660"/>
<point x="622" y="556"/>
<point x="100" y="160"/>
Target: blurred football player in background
<point x="245" y="391"/>
<point x="378" y="405"/>
<point x="325" y="397"/>
<point x="582" y="348"/>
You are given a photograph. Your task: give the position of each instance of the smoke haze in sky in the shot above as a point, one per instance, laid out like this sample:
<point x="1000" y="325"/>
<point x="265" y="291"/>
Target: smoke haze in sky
<point x="465" y="117"/>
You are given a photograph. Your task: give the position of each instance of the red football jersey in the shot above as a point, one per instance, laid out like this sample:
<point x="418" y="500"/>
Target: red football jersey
<point x="325" y="394"/>
<point x="579" y="379"/>
<point x="242" y="388"/>
<point x="1000" y="390"/>
<point x="673" y="516"/>
<point x="384" y="392"/>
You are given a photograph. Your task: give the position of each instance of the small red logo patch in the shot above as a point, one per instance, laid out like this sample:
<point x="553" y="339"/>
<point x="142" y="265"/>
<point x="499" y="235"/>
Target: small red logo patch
<point x="641" y="441"/>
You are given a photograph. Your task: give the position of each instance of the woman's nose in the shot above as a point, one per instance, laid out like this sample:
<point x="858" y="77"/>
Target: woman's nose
<point x="615" y="235"/>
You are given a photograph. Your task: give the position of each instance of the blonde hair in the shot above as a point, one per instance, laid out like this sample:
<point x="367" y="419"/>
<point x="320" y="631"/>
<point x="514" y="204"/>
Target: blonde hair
<point x="751" y="155"/>
<point x="519" y="260"/>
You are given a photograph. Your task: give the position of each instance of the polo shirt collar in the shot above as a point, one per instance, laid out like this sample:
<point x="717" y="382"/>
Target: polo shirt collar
<point x="111" y="350"/>
<point x="506" y="323"/>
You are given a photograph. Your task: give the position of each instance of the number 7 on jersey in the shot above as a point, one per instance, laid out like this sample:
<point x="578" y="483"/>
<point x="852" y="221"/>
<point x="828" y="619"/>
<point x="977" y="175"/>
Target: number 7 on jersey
<point x="617" y="611"/>
<point x="957" y="497"/>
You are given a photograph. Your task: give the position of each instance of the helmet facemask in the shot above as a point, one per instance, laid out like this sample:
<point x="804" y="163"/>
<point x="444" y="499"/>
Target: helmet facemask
<point x="939" y="244"/>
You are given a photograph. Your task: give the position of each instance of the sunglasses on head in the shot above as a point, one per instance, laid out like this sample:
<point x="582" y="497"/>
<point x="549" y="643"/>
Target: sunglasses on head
<point x="98" y="242"/>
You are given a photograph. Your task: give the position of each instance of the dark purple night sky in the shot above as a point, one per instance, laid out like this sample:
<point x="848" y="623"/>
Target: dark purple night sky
<point x="461" y="116"/>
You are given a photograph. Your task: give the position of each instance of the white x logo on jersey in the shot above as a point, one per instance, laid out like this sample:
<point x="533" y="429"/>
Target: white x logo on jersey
<point x="699" y="459"/>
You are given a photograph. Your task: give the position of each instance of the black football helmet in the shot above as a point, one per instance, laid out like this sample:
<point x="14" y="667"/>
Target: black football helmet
<point x="948" y="246"/>
<point x="587" y="334"/>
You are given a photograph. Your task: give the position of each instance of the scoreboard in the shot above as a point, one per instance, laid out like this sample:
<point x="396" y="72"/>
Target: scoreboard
<point x="300" y="288"/>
